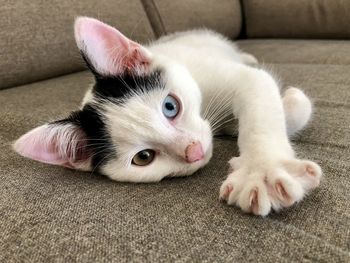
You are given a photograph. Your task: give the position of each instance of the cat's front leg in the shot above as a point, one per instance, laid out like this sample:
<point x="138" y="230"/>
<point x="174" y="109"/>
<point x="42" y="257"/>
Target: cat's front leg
<point x="266" y="175"/>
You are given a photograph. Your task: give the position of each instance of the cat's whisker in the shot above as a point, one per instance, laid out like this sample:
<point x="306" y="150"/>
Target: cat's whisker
<point x="98" y="164"/>
<point x="210" y="103"/>
<point x="95" y="146"/>
<point x="223" y="105"/>
<point x="222" y="125"/>
<point x="220" y="118"/>
<point x="87" y="139"/>
<point x="219" y="115"/>
<point x="224" y="110"/>
<point x="124" y="82"/>
<point x="106" y="149"/>
<point x="215" y="97"/>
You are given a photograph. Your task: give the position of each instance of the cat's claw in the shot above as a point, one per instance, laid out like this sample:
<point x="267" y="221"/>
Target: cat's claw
<point x="226" y="192"/>
<point x="261" y="190"/>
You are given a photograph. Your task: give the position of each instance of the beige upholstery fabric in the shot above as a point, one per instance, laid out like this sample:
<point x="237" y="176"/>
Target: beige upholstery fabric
<point x="37" y="39"/>
<point x="297" y="19"/>
<point x="154" y="17"/>
<point x="299" y="51"/>
<point x="224" y="16"/>
<point x="51" y="214"/>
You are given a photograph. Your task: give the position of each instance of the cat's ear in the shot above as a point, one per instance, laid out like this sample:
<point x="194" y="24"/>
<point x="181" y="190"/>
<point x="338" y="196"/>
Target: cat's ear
<point x="60" y="143"/>
<point x="106" y="50"/>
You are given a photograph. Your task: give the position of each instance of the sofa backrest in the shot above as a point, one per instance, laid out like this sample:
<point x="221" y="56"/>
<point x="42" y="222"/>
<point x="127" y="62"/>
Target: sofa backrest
<point x="320" y="19"/>
<point x="36" y="37"/>
<point x="37" y="41"/>
<point x="223" y="16"/>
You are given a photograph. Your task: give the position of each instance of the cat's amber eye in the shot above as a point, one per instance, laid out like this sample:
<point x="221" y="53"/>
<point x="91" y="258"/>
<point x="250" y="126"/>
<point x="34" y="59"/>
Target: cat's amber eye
<point x="171" y="107"/>
<point x="143" y="157"/>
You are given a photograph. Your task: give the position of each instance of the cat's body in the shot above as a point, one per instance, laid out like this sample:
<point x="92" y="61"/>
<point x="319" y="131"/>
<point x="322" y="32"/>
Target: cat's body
<point x="147" y="117"/>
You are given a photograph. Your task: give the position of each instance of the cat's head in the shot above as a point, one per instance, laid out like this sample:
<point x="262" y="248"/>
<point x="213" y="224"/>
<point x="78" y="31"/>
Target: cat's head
<point x="140" y="122"/>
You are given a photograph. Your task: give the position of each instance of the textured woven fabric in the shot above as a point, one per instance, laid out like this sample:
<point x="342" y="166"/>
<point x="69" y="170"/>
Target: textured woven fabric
<point x="35" y="32"/>
<point x="52" y="214"/>
<point x="297" y="19"/>
<point x="295" y="51"/>
<point x="224" y="17"/>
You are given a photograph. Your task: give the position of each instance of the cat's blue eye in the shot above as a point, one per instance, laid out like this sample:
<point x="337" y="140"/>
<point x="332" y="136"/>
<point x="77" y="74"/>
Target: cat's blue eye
<point x="171" y="107"/>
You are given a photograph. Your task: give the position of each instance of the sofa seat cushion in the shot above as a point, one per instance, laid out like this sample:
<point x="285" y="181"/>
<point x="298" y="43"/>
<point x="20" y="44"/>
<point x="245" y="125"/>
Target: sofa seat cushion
<point x="50" y="213"/>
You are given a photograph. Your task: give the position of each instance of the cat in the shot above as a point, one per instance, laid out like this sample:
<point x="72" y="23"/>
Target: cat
<point x="154" y="109"/>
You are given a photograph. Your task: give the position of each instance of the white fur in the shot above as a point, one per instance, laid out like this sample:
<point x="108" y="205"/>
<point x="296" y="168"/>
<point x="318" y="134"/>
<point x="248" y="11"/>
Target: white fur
<point x="214" y="80"/>
<point x="297" y="108"/>
<point x="268" y="175"/>
<point x="140" y="124"/>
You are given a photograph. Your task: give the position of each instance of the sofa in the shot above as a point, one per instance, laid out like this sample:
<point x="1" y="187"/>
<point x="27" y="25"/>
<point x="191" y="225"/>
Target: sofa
<point x="53" y="214"/>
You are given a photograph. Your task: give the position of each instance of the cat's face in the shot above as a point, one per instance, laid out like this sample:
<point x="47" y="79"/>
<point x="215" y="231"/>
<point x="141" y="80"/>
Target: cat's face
<point x="140" y="122"/>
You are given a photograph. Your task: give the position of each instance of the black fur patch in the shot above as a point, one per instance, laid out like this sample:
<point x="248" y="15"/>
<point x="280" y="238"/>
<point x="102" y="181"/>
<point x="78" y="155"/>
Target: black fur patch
<point x="99" y="142"/>
<point x="94" y="127"/>
<point x="90" y="118"/>
<point x="120" y="87"/>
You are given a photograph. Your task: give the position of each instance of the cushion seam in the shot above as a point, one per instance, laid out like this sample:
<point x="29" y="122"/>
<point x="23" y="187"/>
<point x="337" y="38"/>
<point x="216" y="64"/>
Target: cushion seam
<point x="154" y="17"/>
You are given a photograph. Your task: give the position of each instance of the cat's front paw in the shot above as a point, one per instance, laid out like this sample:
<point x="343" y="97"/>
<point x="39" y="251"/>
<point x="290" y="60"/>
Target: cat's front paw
<point x="258" y="189"/>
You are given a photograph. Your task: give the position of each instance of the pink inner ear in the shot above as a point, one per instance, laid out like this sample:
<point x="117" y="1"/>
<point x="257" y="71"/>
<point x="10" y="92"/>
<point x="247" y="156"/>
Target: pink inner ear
<point x="108" y="50"/>
<point x="53" y="144"/>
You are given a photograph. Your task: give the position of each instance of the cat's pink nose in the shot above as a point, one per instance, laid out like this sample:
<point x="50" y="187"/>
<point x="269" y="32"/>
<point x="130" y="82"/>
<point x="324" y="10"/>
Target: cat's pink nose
<point x="194" y="152"/>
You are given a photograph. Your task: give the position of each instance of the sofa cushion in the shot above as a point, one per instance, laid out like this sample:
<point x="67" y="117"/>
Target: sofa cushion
<point x="297" y="19"/>
<point x="37" y="38"/>
<point x="224" y="17"/>
<point x="298" y="51"/>
<point x="50" y="213"/>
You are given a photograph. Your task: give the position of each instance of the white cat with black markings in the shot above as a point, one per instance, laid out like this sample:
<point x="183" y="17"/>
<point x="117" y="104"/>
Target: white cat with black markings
<point x="153" y="111"/>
